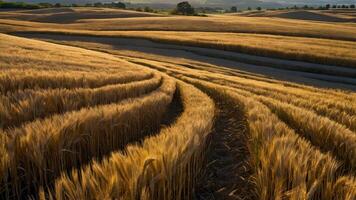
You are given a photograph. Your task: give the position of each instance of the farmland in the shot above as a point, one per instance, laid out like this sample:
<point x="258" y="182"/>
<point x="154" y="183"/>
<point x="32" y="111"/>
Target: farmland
<point x="117" y="104"/>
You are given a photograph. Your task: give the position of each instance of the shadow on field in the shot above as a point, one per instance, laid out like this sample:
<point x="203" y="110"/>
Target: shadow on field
<point x="227" y="172"/>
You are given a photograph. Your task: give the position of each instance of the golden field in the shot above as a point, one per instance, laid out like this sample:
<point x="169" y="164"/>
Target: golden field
<point x="127" y="107"/>
<point x="313" y="41"/>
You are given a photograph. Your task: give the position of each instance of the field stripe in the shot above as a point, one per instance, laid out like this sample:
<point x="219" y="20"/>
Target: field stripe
<point x="164" y="167"/>
<point x="320" y="131"/>
<point x="14" y="80"/>
<point x="25" y="106"/>
<point x="45" y="148"/>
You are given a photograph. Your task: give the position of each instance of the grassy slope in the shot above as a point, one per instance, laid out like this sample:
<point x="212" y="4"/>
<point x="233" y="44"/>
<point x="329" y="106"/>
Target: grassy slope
<point x="316" y="15"/>
<point x="70" y="15"/>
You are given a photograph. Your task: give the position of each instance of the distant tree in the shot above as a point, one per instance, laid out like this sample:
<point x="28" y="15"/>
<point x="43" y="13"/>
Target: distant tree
<point x="352" y="6"/>
<point x="20" y="5"/>
<point x="343" y="6"/>
<point x="115" y="5"/>
<point x="98" y="4"/>
<point x="45" y="5"/>
<point x="184" y="8"/>
<point x="305" y="7"/>
<point x="148" y="9"/>
<point x="295" y="7"/>
<point x="327" y="6"/>
<point x="89" y="5"/>
<point x="334" y="6"/>
<point x="74" y="5"/>
<point x="258" y="8"/>
<point x="57" y="5"/>
<point x="233" y="9"/>
<point x="248" y="8"/>
<point x="338" y="6"/>
<point x="119" y="5"/>
<point x="139" y="9"/>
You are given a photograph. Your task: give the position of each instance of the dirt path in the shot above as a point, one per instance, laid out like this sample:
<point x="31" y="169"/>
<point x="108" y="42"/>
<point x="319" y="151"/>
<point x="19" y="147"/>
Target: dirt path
<point x="227" y="170"/>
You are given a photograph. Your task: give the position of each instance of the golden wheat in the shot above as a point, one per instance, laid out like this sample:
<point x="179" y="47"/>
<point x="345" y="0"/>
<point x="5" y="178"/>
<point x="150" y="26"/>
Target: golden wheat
<point x="46" y="147"/>
<point x="24" y="106"/>
<point x="286" y="165"/>
<point x="13" y="80"/>
<point x="319" y="130"/>
<point x="335" y="107"/>
<point x="164" y="167"/>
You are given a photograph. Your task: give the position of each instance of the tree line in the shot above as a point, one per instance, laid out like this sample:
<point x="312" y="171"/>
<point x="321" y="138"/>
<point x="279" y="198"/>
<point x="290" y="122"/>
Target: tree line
<point x="23" y="5"/>
<point x="295" y="7"/>
<point x="182" y="8"/>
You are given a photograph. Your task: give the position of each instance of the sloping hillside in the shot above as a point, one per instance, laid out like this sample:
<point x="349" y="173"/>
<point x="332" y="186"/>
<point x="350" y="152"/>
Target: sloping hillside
<point x="70" y="15"/>
<point x="305" y="15"/>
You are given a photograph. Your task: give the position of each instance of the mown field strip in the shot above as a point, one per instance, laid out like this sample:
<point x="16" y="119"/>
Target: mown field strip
<point x="41" y="150"/>
<point x="28" y="105"/>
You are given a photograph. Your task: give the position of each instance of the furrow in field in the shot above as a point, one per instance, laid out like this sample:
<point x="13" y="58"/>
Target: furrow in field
<point x="227" y="172"/>
<point x="285" y="165"/>
<point x="322" y="132"/>
<point x="28" y="105"/>
<point x="164" y="167"/>
<point x="41" y="150"/>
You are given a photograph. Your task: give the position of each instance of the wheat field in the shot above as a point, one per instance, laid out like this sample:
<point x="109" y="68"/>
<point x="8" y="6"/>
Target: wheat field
<point x="89" y="118"/>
